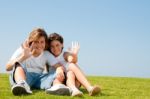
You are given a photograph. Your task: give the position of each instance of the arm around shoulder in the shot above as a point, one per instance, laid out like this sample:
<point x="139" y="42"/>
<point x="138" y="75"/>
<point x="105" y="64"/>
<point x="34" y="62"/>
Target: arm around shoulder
<point x="11" y="63"/>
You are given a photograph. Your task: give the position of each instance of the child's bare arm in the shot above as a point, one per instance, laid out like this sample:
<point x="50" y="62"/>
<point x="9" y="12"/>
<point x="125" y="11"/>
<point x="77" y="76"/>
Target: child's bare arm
<point x="11" y="63"/>
<point x="24" y="54"/>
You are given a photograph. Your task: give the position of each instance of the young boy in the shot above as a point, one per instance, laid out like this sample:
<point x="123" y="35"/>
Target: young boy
<point x="68" y="60"/>
<point x="28" y="64"/>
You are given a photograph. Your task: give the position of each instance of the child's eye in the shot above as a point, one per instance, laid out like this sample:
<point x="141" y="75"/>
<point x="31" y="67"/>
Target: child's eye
<point x="36" y="42"/>
<point x="58" y="45"/>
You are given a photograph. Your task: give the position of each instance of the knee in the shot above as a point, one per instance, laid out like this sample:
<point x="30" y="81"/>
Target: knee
<point x="71" y="66"/>
<point x="70" y="74"/>
<point x="19" y="68"/>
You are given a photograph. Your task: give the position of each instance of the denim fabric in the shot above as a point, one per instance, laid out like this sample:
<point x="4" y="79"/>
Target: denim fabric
<point x="36" y="80"/>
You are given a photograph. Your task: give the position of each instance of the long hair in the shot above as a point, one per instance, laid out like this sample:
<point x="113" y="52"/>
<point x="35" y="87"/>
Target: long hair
<point x="55" y="36"/>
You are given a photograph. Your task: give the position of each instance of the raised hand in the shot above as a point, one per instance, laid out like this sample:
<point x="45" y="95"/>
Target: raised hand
<point x="74" y="49"/>
<point x="26" y="43"/>
<point x="26" y="50"/>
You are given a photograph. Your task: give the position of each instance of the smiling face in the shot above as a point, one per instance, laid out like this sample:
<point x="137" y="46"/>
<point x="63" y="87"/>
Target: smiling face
<point x="37" y="41"/>
<point x="56" y="47"/>
<point x="38" y="46"/>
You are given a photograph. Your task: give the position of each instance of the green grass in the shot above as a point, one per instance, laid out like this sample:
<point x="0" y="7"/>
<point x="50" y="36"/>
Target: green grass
<point x="112" y="88"/>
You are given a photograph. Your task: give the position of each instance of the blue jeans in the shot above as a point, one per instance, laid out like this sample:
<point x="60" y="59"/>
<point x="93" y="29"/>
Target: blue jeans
<point x="36" y="80"/>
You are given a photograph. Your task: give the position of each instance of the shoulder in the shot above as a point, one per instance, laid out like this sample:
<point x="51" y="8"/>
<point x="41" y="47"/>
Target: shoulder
<point x="47" y="54"/>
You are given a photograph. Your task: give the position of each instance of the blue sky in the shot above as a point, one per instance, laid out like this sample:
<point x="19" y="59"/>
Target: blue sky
<point x="114" y="34"/>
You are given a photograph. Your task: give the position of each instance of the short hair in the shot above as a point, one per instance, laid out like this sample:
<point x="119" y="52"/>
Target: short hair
<point x="36" y="34"/>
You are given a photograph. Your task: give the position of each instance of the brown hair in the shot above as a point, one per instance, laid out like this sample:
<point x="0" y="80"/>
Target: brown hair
<point x="36" y="34"/>
<point x="55" y="36"/>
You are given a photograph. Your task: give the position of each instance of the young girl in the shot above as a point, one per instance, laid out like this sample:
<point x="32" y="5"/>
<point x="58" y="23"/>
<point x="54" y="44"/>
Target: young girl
<point x="28" y="64"/>
<point x="68" y="60"/>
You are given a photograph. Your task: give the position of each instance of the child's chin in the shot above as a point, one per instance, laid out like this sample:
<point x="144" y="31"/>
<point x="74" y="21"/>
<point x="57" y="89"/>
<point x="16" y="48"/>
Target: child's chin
<point x="39" y="51"/>
<point x="56" y="55"/>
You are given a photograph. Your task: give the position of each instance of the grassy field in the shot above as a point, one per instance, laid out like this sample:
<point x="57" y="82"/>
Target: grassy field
<point x="112" y="88"/>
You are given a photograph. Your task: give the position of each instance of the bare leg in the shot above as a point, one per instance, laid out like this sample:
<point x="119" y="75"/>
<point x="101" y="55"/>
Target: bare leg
<point x="71" y="84"/>
<point x="56" y="81"/>
<point x="93" y="90"/>
<point x="77" y="83"/>
<point x="70" y="79"/>
<point x="21" y="87"/>
<point x="80" y="76"/>
<point x="58" y="87"/>
<point x="19" y="74"/>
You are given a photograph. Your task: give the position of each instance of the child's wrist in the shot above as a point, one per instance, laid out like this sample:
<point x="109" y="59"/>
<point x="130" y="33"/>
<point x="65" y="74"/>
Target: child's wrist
<point x="70" y="58"/>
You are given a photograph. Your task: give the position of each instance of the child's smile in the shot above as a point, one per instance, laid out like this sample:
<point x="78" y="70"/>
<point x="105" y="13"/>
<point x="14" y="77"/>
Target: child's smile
<point x="56" y="48"/>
